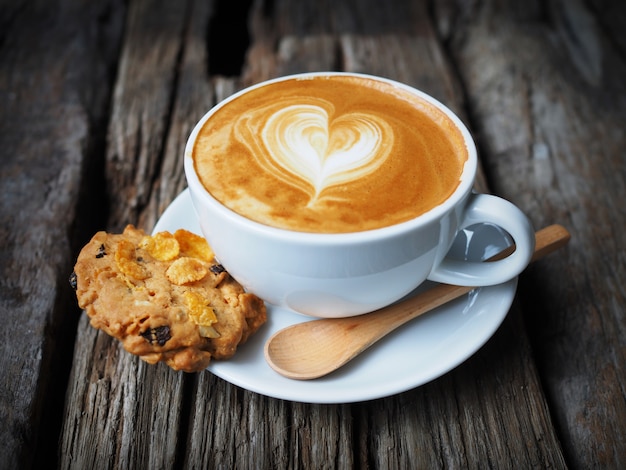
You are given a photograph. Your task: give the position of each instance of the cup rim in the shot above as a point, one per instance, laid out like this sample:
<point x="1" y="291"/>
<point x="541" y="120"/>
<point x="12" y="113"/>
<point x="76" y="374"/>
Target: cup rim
<point x="433" y="214"/>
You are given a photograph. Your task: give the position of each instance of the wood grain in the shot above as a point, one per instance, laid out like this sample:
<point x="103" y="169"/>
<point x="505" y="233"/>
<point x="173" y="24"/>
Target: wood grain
<point x="96" y="102"/>
<point x="551" y="127"/>
<point x="133" y="428"/>
<point x="56" y="62"/>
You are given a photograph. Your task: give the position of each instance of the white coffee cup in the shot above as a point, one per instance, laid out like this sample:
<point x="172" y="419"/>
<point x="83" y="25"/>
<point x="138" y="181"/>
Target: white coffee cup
<point x="346" y="274"/>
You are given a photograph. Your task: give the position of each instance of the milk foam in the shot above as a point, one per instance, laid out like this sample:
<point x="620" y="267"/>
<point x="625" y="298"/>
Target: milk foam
<point x="318" y="150"/>
<point x="331" y="155"/>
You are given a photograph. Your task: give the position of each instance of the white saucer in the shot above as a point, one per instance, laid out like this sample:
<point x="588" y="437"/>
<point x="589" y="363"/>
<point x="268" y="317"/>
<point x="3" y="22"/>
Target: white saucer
<point x="415" y="354"/>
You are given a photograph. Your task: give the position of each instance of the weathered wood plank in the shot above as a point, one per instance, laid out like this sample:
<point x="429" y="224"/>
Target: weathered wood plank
<point x="121" y="413"/>
<point x="56" y="60"/>
<point x="142" y="106"/>
<point x="547" y="92"/>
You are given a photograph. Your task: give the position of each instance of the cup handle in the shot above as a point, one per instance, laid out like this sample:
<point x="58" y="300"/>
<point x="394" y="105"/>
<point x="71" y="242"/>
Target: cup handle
<point x="485" y="208"/>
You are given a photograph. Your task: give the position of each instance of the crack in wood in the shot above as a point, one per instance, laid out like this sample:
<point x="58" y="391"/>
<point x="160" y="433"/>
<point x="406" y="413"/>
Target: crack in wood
<point x="228" y="37"/>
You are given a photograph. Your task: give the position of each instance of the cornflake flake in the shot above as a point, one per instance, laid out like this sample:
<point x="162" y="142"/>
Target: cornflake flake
<point x="201" y="313"/>
<point x="193" y="245"/>
<point x="162" y="246"/>
<point x="126" y="261"/>
<point x="185" y="270"/>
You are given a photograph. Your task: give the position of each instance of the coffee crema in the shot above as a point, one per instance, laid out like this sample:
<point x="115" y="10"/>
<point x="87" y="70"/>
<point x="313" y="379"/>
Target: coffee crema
<point x="329" y="154"/>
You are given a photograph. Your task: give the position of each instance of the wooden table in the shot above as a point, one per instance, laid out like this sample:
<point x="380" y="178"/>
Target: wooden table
<point x="96" y="102"/>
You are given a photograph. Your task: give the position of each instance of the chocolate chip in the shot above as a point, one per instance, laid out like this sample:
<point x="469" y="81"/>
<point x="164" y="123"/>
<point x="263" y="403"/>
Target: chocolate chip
<point x="160" y="335"/>
<point x="101" y="252"/>
<point x="217" y="269"/>
<point x="73" y="280"/>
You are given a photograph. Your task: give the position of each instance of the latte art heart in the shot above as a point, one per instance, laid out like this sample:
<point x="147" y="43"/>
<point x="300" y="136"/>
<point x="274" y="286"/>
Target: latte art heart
<point x="303" y="141"/>
<point x="303" y="145"/>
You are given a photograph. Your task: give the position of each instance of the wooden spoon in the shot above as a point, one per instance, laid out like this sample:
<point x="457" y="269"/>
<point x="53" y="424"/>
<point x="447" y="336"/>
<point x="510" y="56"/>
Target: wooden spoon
<point x="315" y="348"/>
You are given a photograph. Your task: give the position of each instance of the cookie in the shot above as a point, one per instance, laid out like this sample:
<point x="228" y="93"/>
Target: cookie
<point x="164" y="297"/>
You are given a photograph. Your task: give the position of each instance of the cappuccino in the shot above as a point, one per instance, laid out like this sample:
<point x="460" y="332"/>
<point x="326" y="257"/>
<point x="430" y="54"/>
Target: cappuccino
<point x="329" y="154"/>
